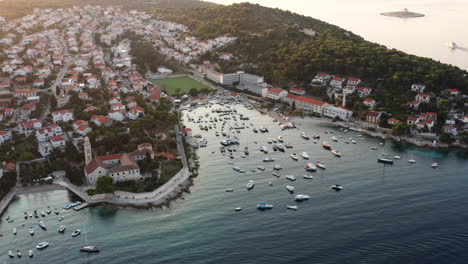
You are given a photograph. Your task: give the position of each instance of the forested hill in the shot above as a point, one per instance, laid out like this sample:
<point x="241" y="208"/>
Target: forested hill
<point x="273" y="42"/>
<point x="17" y="8"/>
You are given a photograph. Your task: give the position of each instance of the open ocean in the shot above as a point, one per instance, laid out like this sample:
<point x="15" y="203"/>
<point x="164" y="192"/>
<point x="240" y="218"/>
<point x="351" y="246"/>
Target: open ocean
<point x="405" y="213"/>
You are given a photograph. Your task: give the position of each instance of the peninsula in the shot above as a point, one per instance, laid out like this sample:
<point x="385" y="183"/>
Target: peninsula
<point x="403" y="14"/>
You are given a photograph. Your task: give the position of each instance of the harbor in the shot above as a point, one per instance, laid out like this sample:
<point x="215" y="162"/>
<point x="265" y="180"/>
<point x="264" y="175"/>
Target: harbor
<point x="339" y="197"/>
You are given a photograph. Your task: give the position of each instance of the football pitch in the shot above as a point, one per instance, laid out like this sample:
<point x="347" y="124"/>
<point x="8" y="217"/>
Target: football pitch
<point x="181" y="85"/>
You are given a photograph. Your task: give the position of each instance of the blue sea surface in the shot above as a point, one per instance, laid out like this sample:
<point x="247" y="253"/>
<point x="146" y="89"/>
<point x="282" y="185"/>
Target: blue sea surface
<point x="405" y="213"/>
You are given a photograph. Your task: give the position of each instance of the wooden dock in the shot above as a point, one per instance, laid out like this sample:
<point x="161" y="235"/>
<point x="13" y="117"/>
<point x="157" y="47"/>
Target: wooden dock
<point x="81" y="206"/>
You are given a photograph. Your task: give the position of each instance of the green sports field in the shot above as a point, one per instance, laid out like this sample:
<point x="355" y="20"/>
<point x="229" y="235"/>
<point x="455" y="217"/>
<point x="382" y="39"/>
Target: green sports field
<point x="183" y="84"/>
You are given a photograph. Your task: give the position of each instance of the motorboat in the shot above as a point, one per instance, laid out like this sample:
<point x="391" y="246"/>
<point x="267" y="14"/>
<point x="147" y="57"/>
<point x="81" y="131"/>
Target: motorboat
<point x="31" y="231"/>
<point x="396" y="157"/>
<point x="41" y="224"/>
<point x="336" y="153"/>
<point x="309" y="177"/>
<point x="229" y="190"/>
<point x="305" y="155"/>
<point x="250" y="185"/>
<point x="11" y="254"/>
<point x="281" y="147"/>
<point x="48" y="211"/>
<point x="374" y="148"/>
<point x="276" y="174"/>
<point x="42" y="245"/>
<point x="434" y="165"/>
<point x="237" y="209"/>
<point x="277" y="167"/>
<point x="412" y="161"/>
<point x="264" y="149"/>
<point x="310" y="167"/>
<point x="280" y="139"/>
<point x="56" y="211"/>
<point x="316" y="136"/>
<point x="61" y="218"/>
<point x="288" y="145"/>
<point x="301" y="197"/>
<point x="337" y="187"/>
<point x="89" y="249"/>
<point x="25" y="215"/>
<point x="236" y="169"/>
<point x="261" y="168"/>
<point x="452" y="45"/>
<point x="353" y="141"/>
<point x="290" y="177"/>
<point x="334" y="139"/>
<point x="19" y="253"/>
<point x="294" y="156"/>
<point x="76" y="233"/>
<point x="292" y="207"/>
<point x="264" y="130"/>
<point x="321" y="165"/>
<point x="43" y="214"/>
<point x="255" y="130"/>
<point x="263" y="206"/>
<point x="269" y="141"/>
<point x="246" y="150"/>
<point x="268" y="159"/>
<point x="62" y="229"/>
<point x="325" y="145"/>
<point x="14" y="231"/>
<point x="384" y="160"/>
<point x="31" y="253"/>
<point x="270" y="183"/>
<point x="290" y="188"/>
<point x="305" y="136"/>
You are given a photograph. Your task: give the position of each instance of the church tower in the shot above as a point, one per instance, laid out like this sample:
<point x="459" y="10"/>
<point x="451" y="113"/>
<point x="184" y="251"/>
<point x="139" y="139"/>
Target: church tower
<point x="87" y="151"/>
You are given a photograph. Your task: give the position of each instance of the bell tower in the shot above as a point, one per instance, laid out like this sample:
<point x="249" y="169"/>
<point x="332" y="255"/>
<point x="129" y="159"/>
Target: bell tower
<point x="88" y="152"/>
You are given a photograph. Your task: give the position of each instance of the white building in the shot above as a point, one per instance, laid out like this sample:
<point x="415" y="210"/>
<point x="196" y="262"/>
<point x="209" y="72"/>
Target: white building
<point x="334" y="111"/>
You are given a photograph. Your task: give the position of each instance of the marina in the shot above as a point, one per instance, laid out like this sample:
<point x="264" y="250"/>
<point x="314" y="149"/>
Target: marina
<point x="366" y="185"/>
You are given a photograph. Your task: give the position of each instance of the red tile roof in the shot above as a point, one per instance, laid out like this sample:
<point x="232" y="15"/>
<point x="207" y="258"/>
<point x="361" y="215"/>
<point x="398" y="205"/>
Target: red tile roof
<point x="306" y="100"/>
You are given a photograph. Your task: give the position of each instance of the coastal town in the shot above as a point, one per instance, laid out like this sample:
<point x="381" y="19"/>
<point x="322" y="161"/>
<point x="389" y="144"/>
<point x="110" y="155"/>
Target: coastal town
<point x="71" y="91"/>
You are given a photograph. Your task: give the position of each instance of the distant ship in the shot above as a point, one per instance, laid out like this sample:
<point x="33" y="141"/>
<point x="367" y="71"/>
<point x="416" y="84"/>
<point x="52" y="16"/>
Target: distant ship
<point x="452" y="45"/>
<point x="403" y="14"/>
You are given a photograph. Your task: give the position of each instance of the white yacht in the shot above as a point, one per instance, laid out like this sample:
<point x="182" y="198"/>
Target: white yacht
<point x="336" y="153"/>
<point x="41" y="224"/>
<point x="280" y="139"/>
<point x="31" y="253"/>
<point x="321" y="165"/>
<point x="31" y="231"/>
<point x="301" y="197"/>
<point x="237" y="209"/>
<point x="310" y="167"/>
<point x="292" y="207"/>
<point x="14" y="231"/>
<point x="62" y="228"/>
<point x="337" y="187"/>
<point x="277" y="167"/>
<point x="261" y="168"/>
<point x="290" y="177"/>
<point x="294" y="156"/>
<point x="305" y="136"/>
<point x="61" y="218"/>
<point x="412" y="161"/>
<point x="18" y="253"/>
<point x="434" y="165"/>
<point x="334" y="139"/>
<point x="263" y="206"/>
<point x="276" y="174"/>
<point x="305" y="155"/>
<point x="76" y="233"/>
<point x="396" y="157"/>
<point x="309" y="177"/>
<point x="290" y="188"/>
<point x="11" y="254"/>
<point x="42" y="245"/>
<point x="250" y="185"/>
<point x="229" y="190"/>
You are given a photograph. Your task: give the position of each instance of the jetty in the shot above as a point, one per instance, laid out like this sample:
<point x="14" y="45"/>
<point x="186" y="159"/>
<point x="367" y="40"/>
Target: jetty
<point x="81" y="206"/>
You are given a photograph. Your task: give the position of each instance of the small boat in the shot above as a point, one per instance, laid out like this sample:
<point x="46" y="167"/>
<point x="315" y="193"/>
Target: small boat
<point x="336" y="153"/>
<point x="281" y="147"/>
<point x="290" y="188"/>
<point x="277" y="167"/>
<point x="294" y="156"/>
<point x="334" y="139"/>
<point x="325" y="145"/>
<point x="316" y="136"/>
<point x="292" y="207"/>
<point x="61" y="218"/>
<point x="396" y="157"/>
<point x="268" y="159"/>
<point x="11" y="254"/>
<point x="261" y="168"/>
<point x="89" y="249"/>
<point x="62" y="229"/>
<point x="237" y="209"/>
<point x="309" y="177"/>
<point x="374" y="148"/>
<point x="43" y="214"/>
<point x="280" y="139"/>
<point x="305" y="155"/>
<point x="246" y="151"/>
<point x="41" y="225"/>
<point x="452" y="45"/>
<point x="434" y="165"/>
<point x="288" y="145"/>
<point x="48" y="211"/>
<point x="236" y="168"/>
<point x="270" y="183"/>
<point x="263" y="206"/>
<point x="290" y="177"/>
<point x="31" y="231"/>
<point x="42" y="245"/>
<point x="229" y="190"/>
<point x="353" y="141"/>
<point x="31" y="215"/>
<point x="25" y="215"/>
<point x="76" y="233"/>
<point x="255" y="130"/>
<point x="321" y="165"/>
<point x="250" y="185"/>
<point x="305" y="136"/>
<point x="18" y="253"/>
<point x="276" y="174"/>
<point x="310" y="167"/>
<point x="269" y="141"/>
<point x="31" y="253"/>
<point x="412" y="161"/>
<point x="384" y="160"/>
<point x="337" y="187"/>
<point x="264" y="149"/>
<point x="301" y="197"/>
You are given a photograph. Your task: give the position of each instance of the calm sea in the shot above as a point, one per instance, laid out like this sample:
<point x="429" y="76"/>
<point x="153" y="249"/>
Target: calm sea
<point x="406" y="213"/>
<point x="445" y="21"/>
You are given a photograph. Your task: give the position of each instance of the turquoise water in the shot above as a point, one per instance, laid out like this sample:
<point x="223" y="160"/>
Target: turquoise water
<point x="406" y="213"/>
